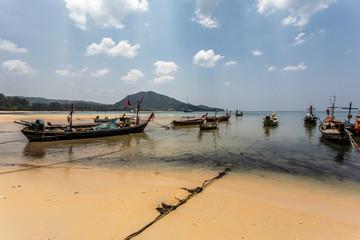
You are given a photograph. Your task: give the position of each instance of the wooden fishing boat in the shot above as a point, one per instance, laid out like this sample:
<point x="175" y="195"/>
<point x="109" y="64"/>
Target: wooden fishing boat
<point x="310" y="118"/>
<point x="187" y="121"/>
<point x="270" y="121"/>
<point x="37" y="131"/>
<point x="238" y="114"/>
<point x="332" y="129"/>
<point x="219" y="119"/>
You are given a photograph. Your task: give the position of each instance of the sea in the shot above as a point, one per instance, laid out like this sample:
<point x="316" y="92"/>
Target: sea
<point x="242" y="143"/>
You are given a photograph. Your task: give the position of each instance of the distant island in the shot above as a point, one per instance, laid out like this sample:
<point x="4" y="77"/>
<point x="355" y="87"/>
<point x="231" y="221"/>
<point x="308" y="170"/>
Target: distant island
<point x="152" y="101"/>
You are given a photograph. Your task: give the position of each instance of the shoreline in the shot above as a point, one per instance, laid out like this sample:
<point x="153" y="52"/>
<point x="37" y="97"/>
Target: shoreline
<point x="77" y="202"/>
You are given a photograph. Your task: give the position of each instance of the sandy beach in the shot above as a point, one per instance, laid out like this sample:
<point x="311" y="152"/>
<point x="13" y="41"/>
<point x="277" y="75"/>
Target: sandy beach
<point x="96" y="203"/>
<point x="70" y="201"/>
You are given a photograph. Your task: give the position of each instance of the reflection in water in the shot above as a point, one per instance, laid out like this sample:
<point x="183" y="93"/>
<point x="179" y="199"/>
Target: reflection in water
<point x="342" y="151"/>
<point x="268" y="130"/>
<point x="81" y="147"/>
<point x="310" y="130"/>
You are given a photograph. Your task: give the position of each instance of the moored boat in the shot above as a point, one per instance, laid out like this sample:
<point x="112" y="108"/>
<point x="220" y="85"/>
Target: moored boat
<point x="270" y="121"/>
<point x="38" y="131"/>
<point x="333" y="129"/>
<point x="238" y="114"/>
<point x="310" y="118"/>
<point x="187" y="121"/>
<point x="220" y="118"/>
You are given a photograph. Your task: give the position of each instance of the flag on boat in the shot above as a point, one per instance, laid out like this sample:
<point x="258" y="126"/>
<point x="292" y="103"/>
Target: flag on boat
<point x="128" y="103"/>
<point x="142" y="98"/>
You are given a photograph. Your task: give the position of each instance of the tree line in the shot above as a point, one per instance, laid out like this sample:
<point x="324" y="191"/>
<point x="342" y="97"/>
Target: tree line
<point x="22" y="104"/>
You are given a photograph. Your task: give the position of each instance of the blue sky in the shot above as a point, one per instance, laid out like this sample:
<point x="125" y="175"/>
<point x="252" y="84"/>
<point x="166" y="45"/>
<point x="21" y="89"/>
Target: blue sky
<point x="240" y="54"/>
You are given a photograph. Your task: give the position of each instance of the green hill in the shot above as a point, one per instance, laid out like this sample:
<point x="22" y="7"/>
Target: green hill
<point x="158" y="102"/>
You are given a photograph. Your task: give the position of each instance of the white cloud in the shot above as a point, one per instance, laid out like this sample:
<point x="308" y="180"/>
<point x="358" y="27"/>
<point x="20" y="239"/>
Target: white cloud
<point x="300" y="11"/>
<point x="11" y="47"/>
<point x="227" y="83"/>
<point x="163" y="79"/>
<point x="271" y="69"/>
<point x="68" y="73"/>
<point x="299" y="39"/>
<point x="229" y="63"/>
<point x="206" y="59"/>
<point x="108" y="47"/>
<point x="165" y="68"/>
<point x="256" y="52"/>
<point x="105" y="13"/>
<point x="204" y="11"/>
<point x="133" y="76"/>
<point x="17" y="67"/>
<point x="101" y="72"/>
<point x="300" y="66"/>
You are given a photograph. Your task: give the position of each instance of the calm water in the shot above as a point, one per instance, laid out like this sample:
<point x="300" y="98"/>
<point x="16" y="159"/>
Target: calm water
<point x="289" y="148"/>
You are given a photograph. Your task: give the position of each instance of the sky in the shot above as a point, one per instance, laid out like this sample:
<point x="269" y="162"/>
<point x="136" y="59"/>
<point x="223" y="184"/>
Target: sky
<point x="259" y="55"/>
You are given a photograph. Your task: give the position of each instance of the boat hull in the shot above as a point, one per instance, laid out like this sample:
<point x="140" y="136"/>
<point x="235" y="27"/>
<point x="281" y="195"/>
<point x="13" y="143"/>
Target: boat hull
<point x="53" y="135"/>
<point x="220" y="119"/>
<point x="187" y="122"/>
<point x="335" y="136"/>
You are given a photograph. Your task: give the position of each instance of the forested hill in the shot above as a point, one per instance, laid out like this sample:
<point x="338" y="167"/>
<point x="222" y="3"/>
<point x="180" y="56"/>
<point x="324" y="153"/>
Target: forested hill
<point x="153" y="101"/>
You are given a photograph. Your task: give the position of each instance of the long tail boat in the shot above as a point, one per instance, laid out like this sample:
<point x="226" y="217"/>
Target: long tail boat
<point x="270" y="121"/>
<point x="310" y="118"/>
<point x="187" y="121"/>
<point x="220" y="119"/>
<point x="332" y="129"/>
<point x="37" y="131"/>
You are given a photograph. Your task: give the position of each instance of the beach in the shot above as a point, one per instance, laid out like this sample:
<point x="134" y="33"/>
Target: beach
<point x="94" y="203"/>
<point x="46" y="192"/>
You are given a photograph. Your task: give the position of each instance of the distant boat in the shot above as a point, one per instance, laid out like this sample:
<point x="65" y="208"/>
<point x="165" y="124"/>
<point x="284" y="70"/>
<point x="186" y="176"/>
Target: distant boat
<point x="270" y="121"/>
<point x="332" y="129"/>
<point x="37" y="131"/>
<point x="310" y="118"/>
<point x="187" y="106"/>
<point x="238" y="114"/>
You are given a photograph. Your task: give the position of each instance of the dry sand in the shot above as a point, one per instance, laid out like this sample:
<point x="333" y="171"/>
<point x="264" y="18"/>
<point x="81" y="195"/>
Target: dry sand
<point x="97" y="203"/>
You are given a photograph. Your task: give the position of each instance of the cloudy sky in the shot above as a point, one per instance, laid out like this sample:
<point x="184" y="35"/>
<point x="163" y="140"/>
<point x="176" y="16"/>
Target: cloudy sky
<point x="240" y="54"/>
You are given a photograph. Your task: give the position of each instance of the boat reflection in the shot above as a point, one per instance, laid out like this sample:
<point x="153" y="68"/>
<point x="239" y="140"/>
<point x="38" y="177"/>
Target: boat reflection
<point x="310" y="130"/>
<point x="83" y="147"/>
<point x="341" y="152"/>
<point x="269" y="130"/>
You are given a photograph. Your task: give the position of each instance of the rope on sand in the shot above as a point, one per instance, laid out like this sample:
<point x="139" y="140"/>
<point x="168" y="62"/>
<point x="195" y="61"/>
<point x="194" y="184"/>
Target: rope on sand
<point x="165" y="209"/>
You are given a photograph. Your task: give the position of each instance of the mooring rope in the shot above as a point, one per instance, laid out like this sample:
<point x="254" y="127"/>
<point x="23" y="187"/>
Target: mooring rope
<point x="353" y="142"/>
<point x="165" y="209"/>
<point x="164" y="126"/>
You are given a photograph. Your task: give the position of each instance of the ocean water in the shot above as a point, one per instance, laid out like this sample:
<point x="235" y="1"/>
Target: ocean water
<point x="291" y="148"/>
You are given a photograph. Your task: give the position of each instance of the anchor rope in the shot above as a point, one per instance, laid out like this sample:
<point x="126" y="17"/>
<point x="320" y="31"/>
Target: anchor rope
<point x="165" y="209"/>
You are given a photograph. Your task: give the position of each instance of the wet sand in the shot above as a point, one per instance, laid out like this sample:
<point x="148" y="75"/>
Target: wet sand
<point x="89" y="202"/>
<point x="98" y="203"/>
